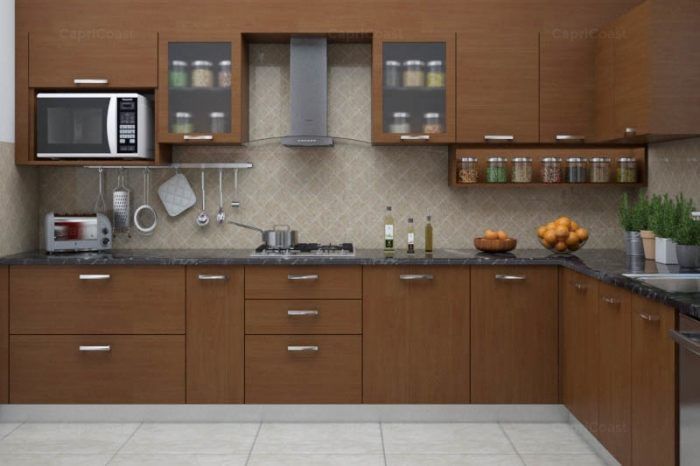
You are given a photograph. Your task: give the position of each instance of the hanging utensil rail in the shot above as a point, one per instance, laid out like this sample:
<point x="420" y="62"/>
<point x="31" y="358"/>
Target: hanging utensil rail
<point x="178" y="166"/>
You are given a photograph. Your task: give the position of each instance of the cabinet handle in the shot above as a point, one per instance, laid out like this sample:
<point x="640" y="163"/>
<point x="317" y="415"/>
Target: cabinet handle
<point x="79" y="81"/>
<point x="499" y="138"/>
<point x="686" y="340"/>
<point x="580" y="286"/>
<point x="207" y="277"/>
<point x="510" y="277"/>
<point x="309" y="277"/>
<point x="203" y="137"/>
<point x="422" y="137"/>
<point x="414" y="277"/>
<point x="629" y="132"/>
<point x="95" y="349"/>
<point x="302" y="312"/>
<point x="568" y="137"/>
<point x="297" y="349"/>
<point x="649" y="317"/>
<point x="611" y="301"/>
<point x="92" y="277"/>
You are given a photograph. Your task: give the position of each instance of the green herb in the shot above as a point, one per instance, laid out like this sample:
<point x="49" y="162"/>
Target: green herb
<point x="634" y="217"/>
<point x="687" y="232"/>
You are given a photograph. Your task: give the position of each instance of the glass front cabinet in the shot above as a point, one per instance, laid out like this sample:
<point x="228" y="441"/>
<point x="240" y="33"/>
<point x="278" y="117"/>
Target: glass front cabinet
<point x="413" y="97"/>
<point x="200" y="92"/>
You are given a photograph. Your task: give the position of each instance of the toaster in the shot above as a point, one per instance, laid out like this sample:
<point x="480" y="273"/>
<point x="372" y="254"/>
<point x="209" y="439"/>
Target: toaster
<point x="77" y="233"/>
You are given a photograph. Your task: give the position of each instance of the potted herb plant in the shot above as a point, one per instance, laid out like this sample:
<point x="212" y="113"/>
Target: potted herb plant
<point x="651" y="208"/>
<point x="630" y="216"/>
<point x="665" y="222"/>
<point x="687" y="237"/>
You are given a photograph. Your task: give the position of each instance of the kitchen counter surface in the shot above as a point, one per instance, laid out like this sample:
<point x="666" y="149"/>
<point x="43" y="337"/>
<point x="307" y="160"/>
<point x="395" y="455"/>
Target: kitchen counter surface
<point x="605" y="265"/>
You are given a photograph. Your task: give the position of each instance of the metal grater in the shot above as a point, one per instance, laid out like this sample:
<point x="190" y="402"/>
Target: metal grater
<point x="121" y="206"/>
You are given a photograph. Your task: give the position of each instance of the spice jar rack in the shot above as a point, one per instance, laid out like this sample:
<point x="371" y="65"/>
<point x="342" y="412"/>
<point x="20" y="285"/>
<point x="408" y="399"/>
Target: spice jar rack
<point x="573" y="166"/>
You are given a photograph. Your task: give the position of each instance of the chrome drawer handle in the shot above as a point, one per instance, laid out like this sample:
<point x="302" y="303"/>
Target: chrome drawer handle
<point x="297" y="349"/>
<point x="88" y="276"/>
<point x="96" y="349"/>
<point x="207" y="277"/>
<point x="302" y="277"/>
<point x="687" y="340"/>
<point x="414" y="277"/>
<point x="422" y="137"/>
<point x="302" y="312"/>
<point x="510" y="277"/>
<point x="650" y="317"/>
<point x="611" y="301"/>
<point x="580" y="286"/>
<point x="203" y="137"/>
<point x="629" y="132"/>
<point x="568" y="137"/>
<point x="499" y="138"/>
<point x="90" y="81"/>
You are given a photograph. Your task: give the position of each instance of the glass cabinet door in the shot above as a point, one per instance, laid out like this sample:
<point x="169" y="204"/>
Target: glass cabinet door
<point x="415" y="79"/>
<point x="200" y="91"/>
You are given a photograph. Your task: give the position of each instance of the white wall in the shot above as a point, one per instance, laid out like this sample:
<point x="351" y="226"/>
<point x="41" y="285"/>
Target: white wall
<point x="7" y="71"/>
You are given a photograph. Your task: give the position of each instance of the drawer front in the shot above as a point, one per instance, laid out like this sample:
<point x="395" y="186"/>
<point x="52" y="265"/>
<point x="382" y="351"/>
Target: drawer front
<point x="303" y="282"/>
<point x="97" y="300"/>
<point x="97" y="369"/>
<point x="303" y="369"/>
<point x="303" y="317"/>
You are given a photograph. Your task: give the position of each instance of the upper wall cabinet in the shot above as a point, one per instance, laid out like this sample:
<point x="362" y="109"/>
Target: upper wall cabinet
<point x="68" y="59"/>
<point x="567" y="87"/>
<point x="413" y="82"/>
<point x="648" y="73"/>
<point x="497" y="86"/>
<point x="200" y="92"/>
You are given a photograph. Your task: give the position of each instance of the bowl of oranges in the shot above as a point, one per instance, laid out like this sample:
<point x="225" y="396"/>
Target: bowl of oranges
<point x="495" y="241"/>
<point x="562" y="235"/>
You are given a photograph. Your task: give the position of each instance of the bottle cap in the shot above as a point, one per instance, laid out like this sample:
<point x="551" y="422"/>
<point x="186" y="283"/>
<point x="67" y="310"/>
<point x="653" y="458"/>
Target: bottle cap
<point x="410" y="220"/>
<point x="429" y="217"/>
<point x="388" y="208"/>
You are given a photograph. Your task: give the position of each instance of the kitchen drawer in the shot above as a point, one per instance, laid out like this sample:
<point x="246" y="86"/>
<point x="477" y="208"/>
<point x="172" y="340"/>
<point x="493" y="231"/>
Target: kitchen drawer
<point x="299" y="317"/>
<point x="303" y="282"/>
<point x="276" y="373"/>
<point x="97" y="300"/>
<point x="136" y="369"/>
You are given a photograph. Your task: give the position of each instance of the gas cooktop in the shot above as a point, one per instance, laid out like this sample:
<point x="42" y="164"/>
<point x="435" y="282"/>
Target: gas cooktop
<point x="308" y="249"/>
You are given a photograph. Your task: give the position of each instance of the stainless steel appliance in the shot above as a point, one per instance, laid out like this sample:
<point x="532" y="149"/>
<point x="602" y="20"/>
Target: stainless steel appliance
<point x="308" y="250"/>
<point x="104" y="125"/>
<point x="77" y="233"/>
<point x="280" y="237"/>
<point x="688" y="340"/>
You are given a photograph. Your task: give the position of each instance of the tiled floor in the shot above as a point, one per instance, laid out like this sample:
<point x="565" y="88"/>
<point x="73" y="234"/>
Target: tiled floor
<point x="294" y="444"/>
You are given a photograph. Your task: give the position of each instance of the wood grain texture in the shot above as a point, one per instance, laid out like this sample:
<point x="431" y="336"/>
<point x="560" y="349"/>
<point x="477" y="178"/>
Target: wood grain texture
<point x="654" y="420"/>
<point x="215" y="344"/>
<point x="138" y="369"/>
<point x="614" y="382"/>
<point x="4" y="333"/>
<point x="333" y="374"/>
<point x="339" y="317"/>
<point x="135" y="300"/>
<point x="416" y="335"/>
<point x="514" y="335"/>
<point x="604" y="101"/>
<point x="332" y="282"/>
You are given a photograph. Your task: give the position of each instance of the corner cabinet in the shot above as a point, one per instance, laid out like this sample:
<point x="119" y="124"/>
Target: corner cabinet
<point x="413" y="89"/>
<point x="200" y="92"/>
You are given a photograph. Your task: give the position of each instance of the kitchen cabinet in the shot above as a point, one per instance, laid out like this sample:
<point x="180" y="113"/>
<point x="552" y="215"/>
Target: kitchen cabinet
<point x="654" y="420"/>
<point x="498" y="86"/>
<point x="514" y="327"/>
<point x="4" y="333"/>
<point x="303" y="282"/>
<point x="202" y="90"/>
<point x="215" y="334"/>
<point x="416" y="334"/>
<point x="578" y="346"/>
<point x="413" y="86"/>
<point x="97" y="58"/>
<point x="303" y="317"/>
<point x="614" y="377"/>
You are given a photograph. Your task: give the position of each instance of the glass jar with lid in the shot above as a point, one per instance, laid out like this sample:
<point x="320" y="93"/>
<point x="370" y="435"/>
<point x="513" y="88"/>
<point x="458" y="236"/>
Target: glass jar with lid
<point x="400" y="123"/>
<point x="467" y="170"/>
<point x="626" y="170"/>
<point x="178" y="73"/>
<point x="224" y="77"/>
<point x="392" y="73"/>
<point x="413" y="73"/>
<point x="576" y="170"/>
<point x="435" y="77"/>
<point x="432" y="124"/>
<point x="217" y="122"/>
<point x="497" y="170"/>
<point x="202" y="74"/>
<point x="552" y="170"/>
<point x="600" y="170"/>
<point x="182" y="123"/>
<point x="522" y="170"/>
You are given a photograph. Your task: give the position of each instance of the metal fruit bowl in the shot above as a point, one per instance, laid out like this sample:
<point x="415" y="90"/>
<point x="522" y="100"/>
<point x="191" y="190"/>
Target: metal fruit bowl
<point x="565" y="251"/>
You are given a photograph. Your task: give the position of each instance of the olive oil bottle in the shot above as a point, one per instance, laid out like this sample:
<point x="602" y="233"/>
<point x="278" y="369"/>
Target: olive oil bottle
<point x="411" y="237"/>
<point x="388" y="231"/>
<point x="428" y="237"/>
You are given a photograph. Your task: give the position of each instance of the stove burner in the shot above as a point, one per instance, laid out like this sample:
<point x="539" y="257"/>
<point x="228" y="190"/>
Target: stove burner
<point x="309" y="249"/>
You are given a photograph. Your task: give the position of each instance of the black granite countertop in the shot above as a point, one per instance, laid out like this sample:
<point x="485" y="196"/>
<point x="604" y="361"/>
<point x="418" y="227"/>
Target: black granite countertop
<point x="603" y="264"/>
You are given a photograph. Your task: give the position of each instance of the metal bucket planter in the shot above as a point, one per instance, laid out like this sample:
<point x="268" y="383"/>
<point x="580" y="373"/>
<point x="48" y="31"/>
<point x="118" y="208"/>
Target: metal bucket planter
<point x="633" y="244"/>
<point x="688" y="256"/>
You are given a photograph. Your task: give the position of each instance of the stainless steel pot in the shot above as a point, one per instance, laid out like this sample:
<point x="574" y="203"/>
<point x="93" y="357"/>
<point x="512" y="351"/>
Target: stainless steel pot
<point x="280" y="237"/>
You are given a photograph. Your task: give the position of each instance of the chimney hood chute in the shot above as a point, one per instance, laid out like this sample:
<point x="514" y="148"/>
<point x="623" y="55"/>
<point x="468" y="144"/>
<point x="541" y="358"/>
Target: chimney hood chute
<point x="308" y="96"/>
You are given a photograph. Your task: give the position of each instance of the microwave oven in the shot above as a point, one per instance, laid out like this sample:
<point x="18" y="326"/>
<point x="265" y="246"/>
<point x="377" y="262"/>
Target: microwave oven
<point x="114" y="125"/>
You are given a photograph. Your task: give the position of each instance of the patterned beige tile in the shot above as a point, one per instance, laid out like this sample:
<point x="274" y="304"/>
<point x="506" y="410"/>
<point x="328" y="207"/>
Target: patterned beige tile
<point x="18" y="203"/>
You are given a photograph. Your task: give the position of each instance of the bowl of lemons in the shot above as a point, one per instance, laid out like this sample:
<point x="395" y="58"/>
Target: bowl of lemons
<point x="563" y="235"/>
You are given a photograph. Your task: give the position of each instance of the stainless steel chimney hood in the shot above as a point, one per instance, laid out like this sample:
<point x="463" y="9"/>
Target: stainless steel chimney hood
<point x="308" y="93"/>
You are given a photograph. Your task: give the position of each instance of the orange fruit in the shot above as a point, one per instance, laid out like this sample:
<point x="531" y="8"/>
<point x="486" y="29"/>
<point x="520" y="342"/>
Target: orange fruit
<point x="541" y="231"/>
<point x="545" y="243"/>
<point x="501" y="234"/>
<point x="490" y="234"/>
<point x="575" y="247"/>
<point x="551" y="226"/>
<point x="582" y="233"/>
<point x="574" y="226"/>
<point x="560" y="246"/>
<point x="572" y="240"/>
<point x="550" y="238"/>
<point x="564" y="222"/>
<point x="562" y="232"/>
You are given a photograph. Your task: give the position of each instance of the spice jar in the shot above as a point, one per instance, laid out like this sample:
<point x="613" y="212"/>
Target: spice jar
<point x="217" y="122"/>
<point x="431" y="123"/>
<point x="400" y="123"/>
<point x="414" y="73"/>
<point x="467" y="170"/>
<point x="224" y="73"/>
<point x="551" y="170"/>
<point x="178" y="73"/>
<point x="576" y="170"/>
<point x="182" y="123"/>
<point x="600" y="170"/>
<point x="626" y="170"/>
<point x="202" y="74"/>
<point x="392" y="73"/>
<point x="435" y="77"/>
<point x="496" y="170"/>
<point x="522" y="170"/>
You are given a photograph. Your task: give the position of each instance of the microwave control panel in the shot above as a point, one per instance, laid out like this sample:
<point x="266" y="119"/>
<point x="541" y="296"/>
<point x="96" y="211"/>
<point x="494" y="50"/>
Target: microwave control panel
<point x="126" y="117"/>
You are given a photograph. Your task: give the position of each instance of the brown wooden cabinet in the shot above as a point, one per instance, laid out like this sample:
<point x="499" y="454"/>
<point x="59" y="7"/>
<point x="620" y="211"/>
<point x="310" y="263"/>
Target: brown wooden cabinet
<point x="4" y="333"/>
<point x="215" y="334"/>
<point x="416" y="334"/>
<point x="303" y="282"/>
<point x="578" y="346"/>
<point x="498" y="86"/>
<point x="514" y="327"/>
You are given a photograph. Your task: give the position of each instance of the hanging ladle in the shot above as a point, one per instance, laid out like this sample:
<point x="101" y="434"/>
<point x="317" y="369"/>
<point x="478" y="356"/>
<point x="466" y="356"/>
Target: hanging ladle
<point x="203" y="217"/>
<point x="221" y="215"/>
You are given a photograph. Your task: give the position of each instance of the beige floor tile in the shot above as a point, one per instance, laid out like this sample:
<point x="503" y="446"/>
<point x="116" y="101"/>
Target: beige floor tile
<point x="192" y="439"/>
<point x="178" y="460"/>
<point x="334" y="439"/>
<point x="454" y="460"/>
<point x="542" y="439"/>
<point x="53" y="460"/>
<point x="67" y="439"/>
<point x="439" y="439"/>
<point x="563" y="460"/>
<point x="316" y="460"/>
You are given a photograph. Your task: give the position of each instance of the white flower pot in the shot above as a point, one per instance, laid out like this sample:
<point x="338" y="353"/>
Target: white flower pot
<point x="666" y="251"/>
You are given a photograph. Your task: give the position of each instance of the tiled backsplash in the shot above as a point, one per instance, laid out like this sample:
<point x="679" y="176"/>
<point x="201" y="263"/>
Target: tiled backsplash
<point x="18" y="204"/>
<point x="340" y="193"/>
